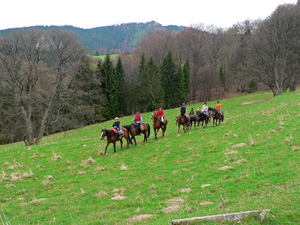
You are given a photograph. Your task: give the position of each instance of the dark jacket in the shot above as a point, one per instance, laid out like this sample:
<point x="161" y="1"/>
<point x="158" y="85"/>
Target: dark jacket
<point x="182" y="110"/>
<point x="191" y="112"/>
<point x="117" y="124"/>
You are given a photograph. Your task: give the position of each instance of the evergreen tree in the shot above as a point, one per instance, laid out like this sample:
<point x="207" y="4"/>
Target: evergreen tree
<point x="120" y="76"/>
<point x="144" y="87"/>
<point x="186" y="76"/>
<point x="155" y="92"/>
<point x="109" y="87"/>
<point x="86" y="94"/>
<point x="168" y="71"/>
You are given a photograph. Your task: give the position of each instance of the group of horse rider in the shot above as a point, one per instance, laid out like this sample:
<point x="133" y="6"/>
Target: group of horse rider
<point x="205" y="109"/>
<point x="138" y="119"/>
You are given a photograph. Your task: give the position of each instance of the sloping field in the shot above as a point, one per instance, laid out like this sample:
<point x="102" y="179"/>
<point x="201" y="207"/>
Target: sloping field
<point x="249" y="162"/>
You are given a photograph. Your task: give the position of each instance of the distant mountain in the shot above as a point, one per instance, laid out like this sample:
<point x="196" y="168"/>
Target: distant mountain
<point x="124" y="36"/>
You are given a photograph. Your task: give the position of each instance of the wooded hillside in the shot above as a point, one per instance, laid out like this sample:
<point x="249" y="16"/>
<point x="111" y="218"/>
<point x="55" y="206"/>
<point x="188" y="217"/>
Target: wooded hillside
<point x="117" y="37"/>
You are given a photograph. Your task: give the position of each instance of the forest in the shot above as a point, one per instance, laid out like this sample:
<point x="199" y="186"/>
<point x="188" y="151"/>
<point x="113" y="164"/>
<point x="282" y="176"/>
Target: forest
<point x="115" y="38"/>
<point x="50" y="84"/>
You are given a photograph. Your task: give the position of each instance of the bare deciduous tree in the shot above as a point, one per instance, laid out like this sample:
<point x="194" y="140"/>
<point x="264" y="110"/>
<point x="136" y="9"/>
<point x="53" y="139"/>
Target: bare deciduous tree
<point x="38" y="67"/>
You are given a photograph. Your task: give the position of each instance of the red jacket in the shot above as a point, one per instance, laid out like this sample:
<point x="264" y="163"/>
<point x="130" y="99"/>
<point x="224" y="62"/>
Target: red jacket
<point x="160" y="113"/>
<point x="137" y="118"/>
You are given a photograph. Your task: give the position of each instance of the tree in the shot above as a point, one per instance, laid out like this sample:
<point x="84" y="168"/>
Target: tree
<point x="273" y="50"/>
<point x="38" y="67"/>
<point x="109" y="85"/>
<point x="155" y="89"/>
<point x="120" y="76"/>
<point x="144" y="87"/>
<point x="168" y="70"/>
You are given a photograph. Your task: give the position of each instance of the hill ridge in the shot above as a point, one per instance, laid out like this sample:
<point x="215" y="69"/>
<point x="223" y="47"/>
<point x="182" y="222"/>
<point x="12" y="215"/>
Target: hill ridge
<point x="125" y="36"/>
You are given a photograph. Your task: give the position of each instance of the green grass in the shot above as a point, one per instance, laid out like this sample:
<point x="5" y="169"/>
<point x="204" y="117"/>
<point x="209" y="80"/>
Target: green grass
<point x="67" y="180"/>
<point x="102" y="57"/>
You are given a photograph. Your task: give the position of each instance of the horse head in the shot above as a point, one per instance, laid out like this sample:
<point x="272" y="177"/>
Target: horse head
<point x="153" y="116"/>
<point x="103" y="134"/>
<point x="177" y="119"/>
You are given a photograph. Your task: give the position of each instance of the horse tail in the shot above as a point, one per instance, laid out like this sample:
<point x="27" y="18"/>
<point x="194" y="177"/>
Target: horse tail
<point x="223" y="118"/>
<point x="148" y="129"/>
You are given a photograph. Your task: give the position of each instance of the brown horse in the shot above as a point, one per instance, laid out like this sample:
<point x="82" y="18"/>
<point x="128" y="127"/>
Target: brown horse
<point x="180" y="120"/>
<point x="112" y="138"/>
<point x="204" y="118"/>
<point x="192" y="118"/>
<point x="157" y="124"/>
<point x="217" y="116"/>
<point x="133" y="130"/>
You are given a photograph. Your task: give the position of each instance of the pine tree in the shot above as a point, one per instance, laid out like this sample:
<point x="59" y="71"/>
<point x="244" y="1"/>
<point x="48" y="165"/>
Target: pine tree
<point x="120" y="76"/>
<point x="110" y="88"/>
<point x="186" y="76"/>
<point x="168" y="71"/>
<point x="144" y="87"/>
<point x="155" y="90"/>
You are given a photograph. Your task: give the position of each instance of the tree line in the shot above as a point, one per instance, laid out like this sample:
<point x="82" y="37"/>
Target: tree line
<point x="50" y="84"/>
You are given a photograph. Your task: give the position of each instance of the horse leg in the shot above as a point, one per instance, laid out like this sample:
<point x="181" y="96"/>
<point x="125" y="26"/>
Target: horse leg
<point x="178" y="129"/>
<point x="121" y="144"/>
<point x="155" y="131"/>
<point x="134" y="140"/>
<point x="106" y="148"/>
<point x="114" y="146"/>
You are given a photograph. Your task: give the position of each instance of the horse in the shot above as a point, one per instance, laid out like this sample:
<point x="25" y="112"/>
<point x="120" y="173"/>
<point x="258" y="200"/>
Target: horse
<point x="180" y="120"/>
<point x="217" y="116"/>
<point x="133" y="130"/>
<point x="204" y="118"/>
<point x="192" y="118"/>
<point x="112" y="138"/>
<point x="157" y="124"/>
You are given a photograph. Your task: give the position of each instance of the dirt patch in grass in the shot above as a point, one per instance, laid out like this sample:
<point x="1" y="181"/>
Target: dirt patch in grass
<point x="34" y="201"/>
<point x="206" y="203"/>
<point x="185" y="190"/>
<point x="225" y="168"/>
<point x="175" y="205"/>
<point x="239" y="145"/>
<point x="205" y="185"/>
<point x="140" y="217"/>
<point x="249" y="103"/>
<point x="231" y="152"/>
<point x="118" y="197"/>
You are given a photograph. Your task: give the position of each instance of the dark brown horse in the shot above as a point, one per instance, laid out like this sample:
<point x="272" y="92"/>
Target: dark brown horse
<point x="157" y="124"/>
<point x="133" y="130"/>
<point x="180" y="120"/>
<point x="192" y="118"/>
<point x="112" y="138"/>
<point x="217" y="116"/>
<point x="204" y="118"/>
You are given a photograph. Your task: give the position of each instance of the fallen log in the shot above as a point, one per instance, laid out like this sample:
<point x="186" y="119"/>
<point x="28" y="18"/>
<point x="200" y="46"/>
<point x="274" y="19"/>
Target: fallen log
<point x="219" y="217"/>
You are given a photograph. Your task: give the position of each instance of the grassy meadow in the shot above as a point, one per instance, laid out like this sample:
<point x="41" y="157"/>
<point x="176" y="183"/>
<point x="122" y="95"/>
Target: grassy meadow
<point x="102" y="57"/>
<point x="249" y="162"/>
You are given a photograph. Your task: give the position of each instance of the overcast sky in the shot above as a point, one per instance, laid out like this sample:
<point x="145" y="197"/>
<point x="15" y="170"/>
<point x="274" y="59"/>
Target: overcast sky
<point x="96" y="13"/>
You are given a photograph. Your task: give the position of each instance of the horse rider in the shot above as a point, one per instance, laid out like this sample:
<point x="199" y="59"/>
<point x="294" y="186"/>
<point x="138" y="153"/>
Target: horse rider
<point x="204" y="109"/>
<point x="198" y="112"/>
<point x="218" y="107"/>
<point x="116" y="126"/>
<point x="160" y="112"/>
<point x="191" y="112"/>
<point x="183" y="112"/>
<point x="138" y="119"/>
